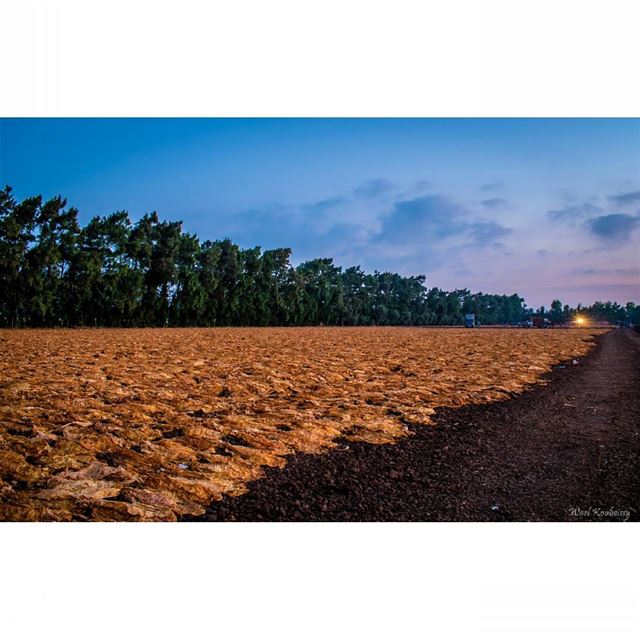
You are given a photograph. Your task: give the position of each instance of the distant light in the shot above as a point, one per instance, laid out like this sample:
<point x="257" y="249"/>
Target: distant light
<point x="579" y="320"/>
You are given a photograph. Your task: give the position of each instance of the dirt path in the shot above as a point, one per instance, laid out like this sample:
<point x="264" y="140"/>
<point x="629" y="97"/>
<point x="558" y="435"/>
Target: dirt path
<point x="569" y="450"/>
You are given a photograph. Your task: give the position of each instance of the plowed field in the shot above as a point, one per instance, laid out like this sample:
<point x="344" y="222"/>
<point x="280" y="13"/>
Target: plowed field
<point x="154" y="424"/>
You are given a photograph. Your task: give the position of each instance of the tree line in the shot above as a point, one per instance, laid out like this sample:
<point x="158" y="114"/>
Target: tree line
<point x="115" y="273"/>
<point x="611" y="312"/>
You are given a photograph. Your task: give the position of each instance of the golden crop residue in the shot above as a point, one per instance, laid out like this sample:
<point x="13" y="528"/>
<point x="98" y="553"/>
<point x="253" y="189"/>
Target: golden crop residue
<point x="152" y="424"/>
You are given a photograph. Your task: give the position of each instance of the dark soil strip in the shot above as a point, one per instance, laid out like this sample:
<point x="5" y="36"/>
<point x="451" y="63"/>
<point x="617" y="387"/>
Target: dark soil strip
<point x="569" y="450"/>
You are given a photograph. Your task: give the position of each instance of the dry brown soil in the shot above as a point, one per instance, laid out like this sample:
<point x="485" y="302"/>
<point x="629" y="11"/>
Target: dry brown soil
<point x="155" y="424"/>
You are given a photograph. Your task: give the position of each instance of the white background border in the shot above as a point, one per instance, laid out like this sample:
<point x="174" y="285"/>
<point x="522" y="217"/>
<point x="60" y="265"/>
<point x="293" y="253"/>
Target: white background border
<point x="285" y="58"/>
<point x="106" y="581"/>
<point x="331" y="58"/>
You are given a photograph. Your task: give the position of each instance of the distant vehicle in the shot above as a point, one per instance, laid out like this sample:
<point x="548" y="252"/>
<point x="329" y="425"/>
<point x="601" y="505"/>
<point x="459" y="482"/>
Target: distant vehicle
<point x="470" y="320"/>
<point x="584" y="321"/>
<point x="540" y="322"/>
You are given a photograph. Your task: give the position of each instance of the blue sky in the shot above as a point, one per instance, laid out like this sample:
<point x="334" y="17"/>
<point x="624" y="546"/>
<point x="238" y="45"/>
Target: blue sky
<point x="545" y="208"/>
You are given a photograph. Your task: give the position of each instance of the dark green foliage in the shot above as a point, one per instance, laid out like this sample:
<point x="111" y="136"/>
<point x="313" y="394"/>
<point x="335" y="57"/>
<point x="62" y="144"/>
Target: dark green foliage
<point x="117" y="274"/>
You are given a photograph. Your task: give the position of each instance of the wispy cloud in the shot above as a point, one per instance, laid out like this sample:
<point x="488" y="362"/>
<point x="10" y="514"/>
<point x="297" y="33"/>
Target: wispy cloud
<point x="615" y="227"/>
<point x="374" y="188"/>
<point x="491" y="186"/>
<point x="324" y="205"/>
<point x="485" y="233"/>
<point x="432" y="231"/>
<point x="591" y="271"/>
<point x="418" y="188"/>
<point x="572" y="213"/>
<point x="302" y="228"/>
<point x="431" y="216"/>
<point x="495" y="203"/>
<point x="625" y="199"/>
